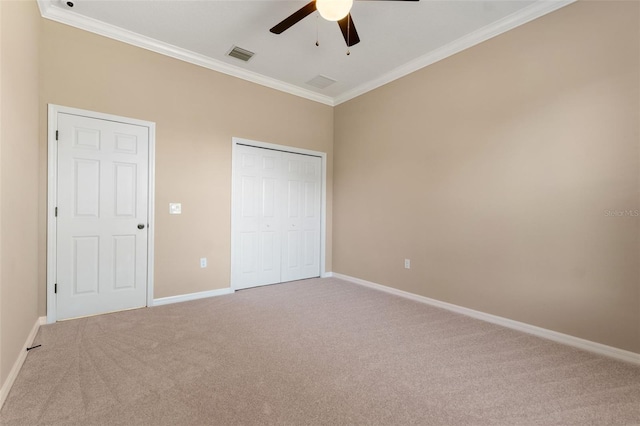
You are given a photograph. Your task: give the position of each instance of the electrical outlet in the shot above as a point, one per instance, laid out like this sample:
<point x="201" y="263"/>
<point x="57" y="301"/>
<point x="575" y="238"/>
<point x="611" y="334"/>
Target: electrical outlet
<point x="407" y="264"/>
<point x="203" y="262"/>
<point x="175" y="208"/>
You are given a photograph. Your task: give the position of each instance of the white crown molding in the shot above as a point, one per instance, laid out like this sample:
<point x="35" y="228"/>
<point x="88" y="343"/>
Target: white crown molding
<point x="111" y="31"/>
<point x="534" y="11"/>
<point x="566" y="339"/>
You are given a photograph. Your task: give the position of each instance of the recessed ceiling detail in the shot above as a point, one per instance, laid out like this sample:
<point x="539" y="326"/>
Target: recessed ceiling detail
<point x="321" y="81"/>
<point x="402" y="36"/>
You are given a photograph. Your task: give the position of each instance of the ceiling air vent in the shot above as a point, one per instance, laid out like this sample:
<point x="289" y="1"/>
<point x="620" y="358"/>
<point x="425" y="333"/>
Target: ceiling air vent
<point x="240" y="53"/>
<point x="321" y="81"/>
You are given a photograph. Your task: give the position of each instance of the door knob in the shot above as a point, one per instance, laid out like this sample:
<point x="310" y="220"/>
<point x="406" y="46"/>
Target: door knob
<point x="141" y="226"/>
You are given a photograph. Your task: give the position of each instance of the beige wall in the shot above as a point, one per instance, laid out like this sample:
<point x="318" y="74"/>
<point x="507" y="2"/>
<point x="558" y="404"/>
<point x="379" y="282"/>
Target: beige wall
<point x="19" y="28"/>
<point x="197" y="112"/>
<point x="492" y="171"/>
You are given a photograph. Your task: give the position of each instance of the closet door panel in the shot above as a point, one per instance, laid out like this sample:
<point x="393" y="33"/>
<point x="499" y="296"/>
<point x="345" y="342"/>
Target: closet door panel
<point x="301" y="251"/>
<point x="257" y="225"/>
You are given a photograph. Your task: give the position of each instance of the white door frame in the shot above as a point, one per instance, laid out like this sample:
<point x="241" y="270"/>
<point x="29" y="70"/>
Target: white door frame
<point x="323" y="194"/>
<point x="52" y="197"/>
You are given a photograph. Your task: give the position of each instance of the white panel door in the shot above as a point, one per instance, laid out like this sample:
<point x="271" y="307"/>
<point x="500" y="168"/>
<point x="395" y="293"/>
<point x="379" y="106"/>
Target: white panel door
<point x="257" y="238"/>
<point x="276" y="216"/>
<point x="102" y="216"/>
<point x="301" y="246"/>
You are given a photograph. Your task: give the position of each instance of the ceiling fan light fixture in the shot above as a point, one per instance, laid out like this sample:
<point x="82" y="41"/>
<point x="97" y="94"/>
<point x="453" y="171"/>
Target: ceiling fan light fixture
<point x="334" y="10"/>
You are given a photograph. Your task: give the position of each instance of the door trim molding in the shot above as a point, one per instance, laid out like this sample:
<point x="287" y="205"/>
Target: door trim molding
<point x="52" y="196"/>
<point x="323" y="194"/>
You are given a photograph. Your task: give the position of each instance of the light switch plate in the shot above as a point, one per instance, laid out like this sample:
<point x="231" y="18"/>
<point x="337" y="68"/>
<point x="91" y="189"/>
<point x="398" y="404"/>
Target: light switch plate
<point x="175" y="208"/>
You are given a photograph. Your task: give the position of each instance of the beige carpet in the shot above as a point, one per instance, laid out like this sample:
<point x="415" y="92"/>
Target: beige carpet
<point x="311" y="352"/>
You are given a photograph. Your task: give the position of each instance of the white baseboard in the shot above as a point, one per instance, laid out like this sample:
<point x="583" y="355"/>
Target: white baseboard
<point x="191" y="296"/>
<point x="13" y="374"/>
<point x="326" y="275"/>
<point x="566" y="339"/>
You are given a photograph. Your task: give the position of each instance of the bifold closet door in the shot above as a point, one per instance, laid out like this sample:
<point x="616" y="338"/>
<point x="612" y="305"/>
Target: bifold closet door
<point x="276" y="214"/>
<point x="257" y="217"/>
<point x="301" y="241"/>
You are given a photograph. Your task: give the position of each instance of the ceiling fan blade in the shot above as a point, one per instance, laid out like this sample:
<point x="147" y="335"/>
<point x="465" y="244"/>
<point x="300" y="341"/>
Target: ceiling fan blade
<point x="294" y="18"/>
<point x="349" y="30"/>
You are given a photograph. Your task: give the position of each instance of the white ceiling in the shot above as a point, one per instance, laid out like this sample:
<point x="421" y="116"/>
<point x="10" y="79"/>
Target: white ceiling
<point x="396" y="37"/>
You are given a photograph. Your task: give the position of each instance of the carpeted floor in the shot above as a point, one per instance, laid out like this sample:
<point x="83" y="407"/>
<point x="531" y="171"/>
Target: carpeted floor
<point x="319" y="351"/>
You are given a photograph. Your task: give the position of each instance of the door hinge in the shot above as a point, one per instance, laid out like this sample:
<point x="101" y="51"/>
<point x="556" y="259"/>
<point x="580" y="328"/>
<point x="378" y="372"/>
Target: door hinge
<point x="56" y="135"/>
<point x="56" y="212"/>
<point x="55" y="288"/>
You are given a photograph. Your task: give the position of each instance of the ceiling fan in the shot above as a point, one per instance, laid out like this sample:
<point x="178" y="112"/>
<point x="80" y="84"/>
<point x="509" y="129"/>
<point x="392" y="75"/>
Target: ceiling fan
<point x="331" y="10"/>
